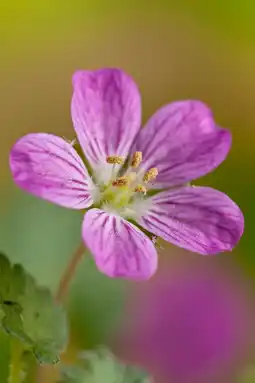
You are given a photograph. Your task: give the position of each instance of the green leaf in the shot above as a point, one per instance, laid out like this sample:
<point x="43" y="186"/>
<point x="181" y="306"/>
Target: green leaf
<point x="28" y="312"/>
<point x="101" y="366"/>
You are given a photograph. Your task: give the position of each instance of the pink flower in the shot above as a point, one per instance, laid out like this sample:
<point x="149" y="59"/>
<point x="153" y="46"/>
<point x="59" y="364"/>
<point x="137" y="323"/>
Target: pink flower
<point x="190" y="324"/>
<point x="133" y="176"/>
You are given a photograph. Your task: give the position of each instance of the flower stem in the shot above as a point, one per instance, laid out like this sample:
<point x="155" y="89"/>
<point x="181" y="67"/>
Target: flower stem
<point x="69" y="274"/>
<point x="16" y="361"/>
<point x="48" y="373"/>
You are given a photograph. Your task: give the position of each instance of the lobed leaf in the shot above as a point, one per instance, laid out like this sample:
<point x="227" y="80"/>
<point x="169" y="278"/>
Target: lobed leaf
<point x="29" y="312"/>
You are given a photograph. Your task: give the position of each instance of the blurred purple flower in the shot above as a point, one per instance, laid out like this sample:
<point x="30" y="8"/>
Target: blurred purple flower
<point x="178" y="144"/>
<point x="189" y="325"/>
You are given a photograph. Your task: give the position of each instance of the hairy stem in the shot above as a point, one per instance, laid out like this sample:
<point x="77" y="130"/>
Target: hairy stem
<point x="49" y="373"/>
<point x="16" y="362"/>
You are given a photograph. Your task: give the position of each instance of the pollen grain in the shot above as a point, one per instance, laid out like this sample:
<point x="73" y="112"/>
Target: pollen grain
<point x="137" y="159"/>
<point x="141" y="189"/>
<point x="121" y="181"/>
<point x="115" y="160"/>
<point x="150" y="175"/>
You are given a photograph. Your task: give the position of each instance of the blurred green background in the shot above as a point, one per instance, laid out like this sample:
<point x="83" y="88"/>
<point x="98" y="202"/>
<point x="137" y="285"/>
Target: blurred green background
<point x="174" y="50"/>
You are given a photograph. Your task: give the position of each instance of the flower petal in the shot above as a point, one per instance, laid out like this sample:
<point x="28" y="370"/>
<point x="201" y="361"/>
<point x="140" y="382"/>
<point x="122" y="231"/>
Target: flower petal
<point x="199" y="219"/>
<point x="48" y="167"/>
<point x="106" y="113"/>
<point x="120" y="249"/>
<point x="183" y="142"/>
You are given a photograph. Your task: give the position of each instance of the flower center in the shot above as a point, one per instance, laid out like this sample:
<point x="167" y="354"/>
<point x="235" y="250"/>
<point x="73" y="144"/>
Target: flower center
<point x="133" y="183"/>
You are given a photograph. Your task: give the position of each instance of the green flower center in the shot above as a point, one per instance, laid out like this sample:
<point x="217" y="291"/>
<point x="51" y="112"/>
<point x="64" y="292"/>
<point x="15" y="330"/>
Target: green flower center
<point x="118" y="197"/>
<point x="121" y="190"/>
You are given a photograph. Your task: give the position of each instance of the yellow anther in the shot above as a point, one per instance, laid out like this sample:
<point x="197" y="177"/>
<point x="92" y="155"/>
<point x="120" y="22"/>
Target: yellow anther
<point x="121" y="181"/>
<point x="141" y="189"/>
<point x="115" y="160"/>
<point x="150" y="175"/>
<point x="137" y="159"/>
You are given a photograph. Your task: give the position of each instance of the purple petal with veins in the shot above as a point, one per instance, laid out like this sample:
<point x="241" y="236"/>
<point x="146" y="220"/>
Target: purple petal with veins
<point x="106" y="113"/>
<point x="49" y="167"/>
<point x="199" y="219"/>
<point x="183" y="142"/>
<point x="120" y="249"/>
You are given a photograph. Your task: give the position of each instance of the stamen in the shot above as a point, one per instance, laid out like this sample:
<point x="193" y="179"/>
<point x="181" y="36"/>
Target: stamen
<point x="121" y="181"/>
<point x="150" y="175"/>
<point x="115" y="160"/>
<point x="137" y="159"/>
<point x="141" y="189"/>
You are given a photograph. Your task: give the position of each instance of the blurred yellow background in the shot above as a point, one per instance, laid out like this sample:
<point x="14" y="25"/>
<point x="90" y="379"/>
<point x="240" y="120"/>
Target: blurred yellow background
<point x="174" y="50"/>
